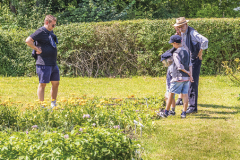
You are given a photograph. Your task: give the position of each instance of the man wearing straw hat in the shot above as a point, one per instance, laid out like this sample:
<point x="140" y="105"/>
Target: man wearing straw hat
<point x="194" y="43"/>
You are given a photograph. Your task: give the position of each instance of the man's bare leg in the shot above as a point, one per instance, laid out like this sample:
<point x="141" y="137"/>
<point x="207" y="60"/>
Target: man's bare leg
<point x="54" y="89"/>
<point x="40" y="91"/>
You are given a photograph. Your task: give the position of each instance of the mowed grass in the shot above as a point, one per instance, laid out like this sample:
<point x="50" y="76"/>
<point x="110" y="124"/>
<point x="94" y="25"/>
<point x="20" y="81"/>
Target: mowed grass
<point x="212" y="133"/>
<point x="25" y="88"/>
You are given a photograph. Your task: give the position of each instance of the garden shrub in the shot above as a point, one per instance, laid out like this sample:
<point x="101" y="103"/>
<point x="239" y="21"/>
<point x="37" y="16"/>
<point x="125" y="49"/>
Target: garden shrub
<point x="91" y="143"/>
<point x="119" y="48"/>
<point x="78" y="128"/>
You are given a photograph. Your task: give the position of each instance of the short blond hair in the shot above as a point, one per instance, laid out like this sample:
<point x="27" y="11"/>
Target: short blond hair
<point x="50" y="18"/>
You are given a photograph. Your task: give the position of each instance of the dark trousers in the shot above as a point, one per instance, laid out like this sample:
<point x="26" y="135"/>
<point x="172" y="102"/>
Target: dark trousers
<point x="193" y="87"/>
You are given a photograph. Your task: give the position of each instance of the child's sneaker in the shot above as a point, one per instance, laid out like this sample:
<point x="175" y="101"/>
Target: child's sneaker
<point x="183" y="115"/>
<point x="163" y="113"/>
<point x="172" y="113"/>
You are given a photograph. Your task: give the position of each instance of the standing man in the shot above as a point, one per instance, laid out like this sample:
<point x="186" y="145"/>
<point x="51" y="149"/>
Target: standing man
<point x="43" y="43"/>
<point x="194" y="43"/>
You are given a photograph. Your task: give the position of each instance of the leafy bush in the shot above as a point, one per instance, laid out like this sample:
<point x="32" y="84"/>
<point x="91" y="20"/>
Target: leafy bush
<point x="119" y="48"/>
<point x="91" y="143"/>
<point x="30" y="13"/>
<point x="78" y="128"/>
<point x="78" y="111"/>
<point x="231" y="69"/>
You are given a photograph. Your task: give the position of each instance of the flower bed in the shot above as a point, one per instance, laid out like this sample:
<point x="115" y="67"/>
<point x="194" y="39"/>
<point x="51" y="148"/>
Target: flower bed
<point x="79" y="127"/>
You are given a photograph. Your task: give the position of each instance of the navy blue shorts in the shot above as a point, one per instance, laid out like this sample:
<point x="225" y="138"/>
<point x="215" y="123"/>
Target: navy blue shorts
<point x="47" y="73"/>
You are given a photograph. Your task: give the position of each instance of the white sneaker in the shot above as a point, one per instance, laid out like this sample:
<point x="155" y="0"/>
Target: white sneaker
<point x="53" y="104"/>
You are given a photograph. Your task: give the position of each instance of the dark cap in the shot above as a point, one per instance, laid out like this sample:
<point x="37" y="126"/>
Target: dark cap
<point x="168" y="54"/>
<point x="175" y="38"/>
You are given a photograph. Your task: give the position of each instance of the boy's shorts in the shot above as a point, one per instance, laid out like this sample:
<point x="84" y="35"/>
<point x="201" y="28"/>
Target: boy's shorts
<point x="166" y="94"/>
<point x="179" y="87"/>
<point x="47" y="73"/>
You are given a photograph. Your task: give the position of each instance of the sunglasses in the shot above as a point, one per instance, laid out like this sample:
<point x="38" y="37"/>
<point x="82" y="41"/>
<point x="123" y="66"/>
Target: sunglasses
<point x="181" y="26"/>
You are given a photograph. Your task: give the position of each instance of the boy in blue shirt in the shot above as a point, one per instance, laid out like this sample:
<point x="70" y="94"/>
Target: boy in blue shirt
<point x="181" y="75"/>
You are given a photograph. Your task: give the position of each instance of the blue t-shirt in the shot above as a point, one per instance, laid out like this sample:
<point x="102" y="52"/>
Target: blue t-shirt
<point x="48" y="56"/>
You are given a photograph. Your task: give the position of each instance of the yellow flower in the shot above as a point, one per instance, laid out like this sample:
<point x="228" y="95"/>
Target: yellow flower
<point x="82" y="103"/>
<point x="118" y="100"/>
<point x="32" y="107"/>
<point x="237" y="60"/>
<point x="102" y="100"/>
<point x="132" y="96"/>
<point x="63" y="100"/>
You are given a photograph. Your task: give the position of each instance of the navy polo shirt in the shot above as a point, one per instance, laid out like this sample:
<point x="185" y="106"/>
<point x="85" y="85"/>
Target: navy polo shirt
<point x="48" y="56"/>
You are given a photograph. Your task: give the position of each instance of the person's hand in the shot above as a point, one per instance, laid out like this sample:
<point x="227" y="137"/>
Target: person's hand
<point x="200" y="54"/>
<point x="191" y="79"/>
<point x="38" y="50"/>
<point x="177" y="31"/>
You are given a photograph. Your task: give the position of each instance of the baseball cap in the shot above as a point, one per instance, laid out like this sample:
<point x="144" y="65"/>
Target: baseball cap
<point x="175" y="38"/>
<point x="167" y="54"/>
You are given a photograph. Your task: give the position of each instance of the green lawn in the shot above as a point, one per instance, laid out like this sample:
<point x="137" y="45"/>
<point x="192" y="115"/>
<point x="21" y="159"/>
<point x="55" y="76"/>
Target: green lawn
<point x="212" y="133"/>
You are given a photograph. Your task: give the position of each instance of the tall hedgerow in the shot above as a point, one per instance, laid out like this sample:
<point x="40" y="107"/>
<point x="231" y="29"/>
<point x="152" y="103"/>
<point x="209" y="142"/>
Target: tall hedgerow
<point x="119" y="48"/>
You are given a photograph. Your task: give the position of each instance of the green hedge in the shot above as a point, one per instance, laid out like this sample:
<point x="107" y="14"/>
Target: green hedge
<point x="119" y="48"/>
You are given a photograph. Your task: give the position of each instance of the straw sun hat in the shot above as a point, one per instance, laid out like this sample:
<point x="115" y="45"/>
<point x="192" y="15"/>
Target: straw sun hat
<point x="180" y="21"/>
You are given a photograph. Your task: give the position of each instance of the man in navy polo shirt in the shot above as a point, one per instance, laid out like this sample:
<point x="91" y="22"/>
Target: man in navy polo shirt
<point x="43" y="43"/>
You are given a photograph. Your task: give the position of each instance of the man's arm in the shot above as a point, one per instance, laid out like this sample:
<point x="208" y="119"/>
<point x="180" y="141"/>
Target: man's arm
<point x="190" y="74"/>
<point x="30" y="43"/>
<point x="196" y="37"/>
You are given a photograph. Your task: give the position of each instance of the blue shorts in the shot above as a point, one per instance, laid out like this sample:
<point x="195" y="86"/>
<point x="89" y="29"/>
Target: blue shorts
<point x="179" y="87"/>
<point x="47" y="73"/>
<point x="167" y="91"/>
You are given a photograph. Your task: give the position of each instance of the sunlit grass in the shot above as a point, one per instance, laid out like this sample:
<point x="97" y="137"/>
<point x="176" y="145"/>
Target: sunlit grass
<point x="25" y="88"/>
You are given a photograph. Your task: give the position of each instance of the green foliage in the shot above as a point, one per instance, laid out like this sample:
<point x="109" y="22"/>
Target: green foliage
<point x="119" y="48"/>
<point x="79" y="127"/>
<point x="231" y="69"/>
<point x="30" y="13"/>
<point x="212" y="10"/>
<point x="93" y="11"/>
<point x="105" y="113"/>
<point x="91" y="143"/>
<point x="15" y="58"/>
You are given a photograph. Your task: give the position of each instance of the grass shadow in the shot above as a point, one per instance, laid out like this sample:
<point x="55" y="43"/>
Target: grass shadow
<point x="206" y="114"/>
<point x="215" y="106"/>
